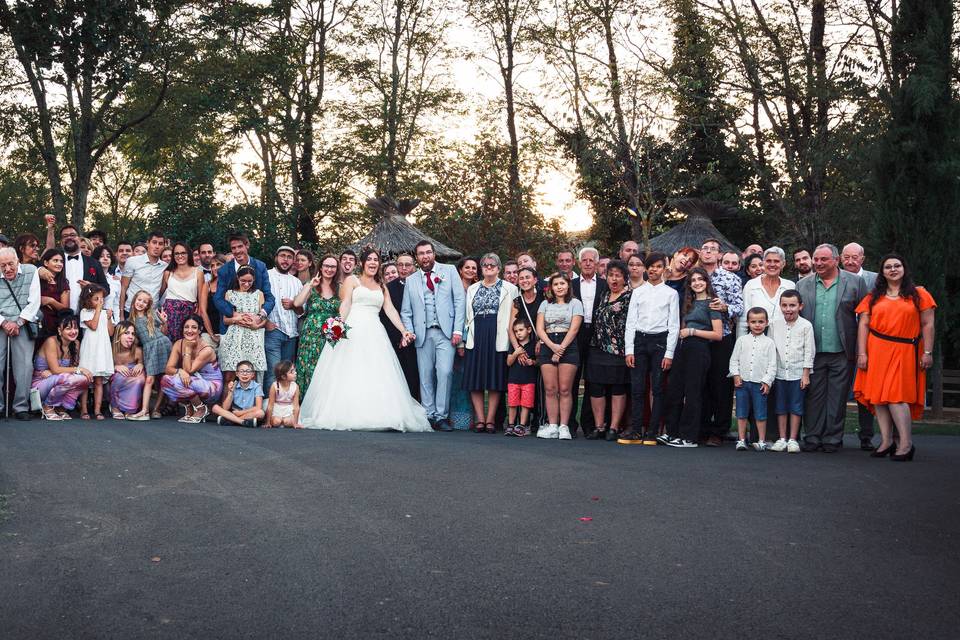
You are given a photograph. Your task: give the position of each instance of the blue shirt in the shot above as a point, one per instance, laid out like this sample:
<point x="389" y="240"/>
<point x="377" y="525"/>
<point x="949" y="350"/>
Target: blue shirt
<point x="244" y="398"/>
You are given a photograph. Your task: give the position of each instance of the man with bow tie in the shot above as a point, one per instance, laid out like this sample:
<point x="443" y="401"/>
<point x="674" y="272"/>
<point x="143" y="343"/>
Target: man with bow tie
<point x="207" y="254"/>
<point x="406" y="355"/>
<point x="80" y="270"/>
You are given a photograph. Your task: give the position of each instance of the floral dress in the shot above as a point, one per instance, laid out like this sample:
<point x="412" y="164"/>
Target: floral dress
<point x="316" y="311"/>
<point x="240" y="343"/>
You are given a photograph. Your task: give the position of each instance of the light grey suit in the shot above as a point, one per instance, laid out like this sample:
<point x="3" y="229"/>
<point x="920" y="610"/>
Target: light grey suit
<point x="435" y="352"/>
<point x="826" y="400"/>
<point x="869" y="278"/>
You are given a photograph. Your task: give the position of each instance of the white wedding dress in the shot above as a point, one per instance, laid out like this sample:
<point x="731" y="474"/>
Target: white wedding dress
<point x="358" y="384"/>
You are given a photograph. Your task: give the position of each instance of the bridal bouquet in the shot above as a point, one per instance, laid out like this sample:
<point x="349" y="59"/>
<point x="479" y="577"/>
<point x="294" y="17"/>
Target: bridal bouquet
<point x="334" y="329"/>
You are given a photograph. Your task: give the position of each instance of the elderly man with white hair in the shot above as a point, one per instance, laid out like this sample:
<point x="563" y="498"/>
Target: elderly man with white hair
<point x="589" y="289"/>
<point x="19" y="304"/>
<point x="851" y="259"/>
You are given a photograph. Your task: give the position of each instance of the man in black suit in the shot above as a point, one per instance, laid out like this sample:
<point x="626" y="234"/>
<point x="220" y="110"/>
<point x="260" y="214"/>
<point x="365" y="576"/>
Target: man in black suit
<point x="79" y="269"/>
<point x="406" y="355"/>
<point x="589" y="289"/>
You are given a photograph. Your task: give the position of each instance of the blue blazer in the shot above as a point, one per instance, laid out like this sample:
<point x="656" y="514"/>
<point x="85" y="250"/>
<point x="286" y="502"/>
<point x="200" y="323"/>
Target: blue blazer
<point x="449" y="297"/>
<point x="225" y="276"/>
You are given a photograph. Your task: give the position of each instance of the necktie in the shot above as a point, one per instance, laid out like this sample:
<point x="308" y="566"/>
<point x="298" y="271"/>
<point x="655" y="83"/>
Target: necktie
<point x="429" y="275"/>
<point x="77" y="257"/>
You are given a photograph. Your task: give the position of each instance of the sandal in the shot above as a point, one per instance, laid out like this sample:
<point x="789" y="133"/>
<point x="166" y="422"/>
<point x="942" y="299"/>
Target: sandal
<point x="64" y="415"/>
<point x="84" y="416"/>
<point x="138" y="417"/>
<point x="50" y="414"/>
<point x="118" y="415"/>
<point x="98" y="416"/>
<point x="155" y="415"/>
<point x="491" y="428"/>
<point x="200" y="417"/>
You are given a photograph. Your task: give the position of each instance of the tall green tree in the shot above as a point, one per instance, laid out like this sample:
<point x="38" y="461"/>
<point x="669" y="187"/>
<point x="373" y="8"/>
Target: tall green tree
<point x="917" y="171"/>
<point x="78" y="58"/>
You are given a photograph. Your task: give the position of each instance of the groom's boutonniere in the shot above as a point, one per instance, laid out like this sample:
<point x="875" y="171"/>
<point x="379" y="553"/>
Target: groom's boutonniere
<point x="437" y="279"/>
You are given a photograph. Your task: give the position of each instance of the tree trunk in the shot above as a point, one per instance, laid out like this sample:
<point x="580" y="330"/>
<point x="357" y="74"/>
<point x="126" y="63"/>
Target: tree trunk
<point x="513" y="170"/>
<point x="390" y="180"/>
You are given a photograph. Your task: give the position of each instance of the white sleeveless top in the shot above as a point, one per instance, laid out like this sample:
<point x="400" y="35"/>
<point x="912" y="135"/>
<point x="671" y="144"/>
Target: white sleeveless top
<point x="182" y="289"/>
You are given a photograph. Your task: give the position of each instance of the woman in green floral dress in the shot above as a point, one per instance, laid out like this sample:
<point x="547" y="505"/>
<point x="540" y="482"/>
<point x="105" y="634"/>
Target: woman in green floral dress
<point x="320" y="301"/>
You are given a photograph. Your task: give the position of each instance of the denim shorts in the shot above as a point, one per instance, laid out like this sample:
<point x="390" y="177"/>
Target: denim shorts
<point x="789" y="397"/>
<point x="749" y="396"/>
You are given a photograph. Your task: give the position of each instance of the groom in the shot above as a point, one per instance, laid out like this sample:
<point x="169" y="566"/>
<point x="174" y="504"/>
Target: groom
<point x="433" y="309"/>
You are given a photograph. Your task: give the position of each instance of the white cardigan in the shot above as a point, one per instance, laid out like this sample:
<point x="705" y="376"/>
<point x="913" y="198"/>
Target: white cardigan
<point x="508" y="293"/>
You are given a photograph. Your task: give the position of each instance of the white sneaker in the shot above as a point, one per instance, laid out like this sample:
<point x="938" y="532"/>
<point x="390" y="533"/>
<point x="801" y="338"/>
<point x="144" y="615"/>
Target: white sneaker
<point x="681" y="443"/>
<point x="760" y="446"/>
<point x="742" y="445"/>
<point x="563" y="432"/>
<point x="548" y="431"/>
<point x="793" y="446"/>
<point x="779" y="446"/>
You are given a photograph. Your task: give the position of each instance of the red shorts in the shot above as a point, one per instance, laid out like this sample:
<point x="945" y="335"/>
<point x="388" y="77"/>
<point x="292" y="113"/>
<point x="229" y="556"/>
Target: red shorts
<point x="521" y="395"/>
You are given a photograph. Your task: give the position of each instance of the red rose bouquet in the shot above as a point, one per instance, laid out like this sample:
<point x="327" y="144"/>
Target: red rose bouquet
<point x="334" y="329"/>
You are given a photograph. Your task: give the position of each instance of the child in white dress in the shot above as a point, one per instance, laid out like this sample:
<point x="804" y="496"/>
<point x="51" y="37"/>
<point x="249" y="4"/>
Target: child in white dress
<point x="284" y="396"/>
<point x="96" y="349"/>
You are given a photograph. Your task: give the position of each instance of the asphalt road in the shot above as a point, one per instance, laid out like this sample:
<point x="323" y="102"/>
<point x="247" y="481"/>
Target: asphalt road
<point x="174" y="531"/>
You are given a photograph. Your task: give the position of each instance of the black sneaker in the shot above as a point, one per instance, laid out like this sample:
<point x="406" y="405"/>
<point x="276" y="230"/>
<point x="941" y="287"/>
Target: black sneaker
<point x="631" y="437"/>
<point x="250" y="422"/>
<point x="681" y="444"/>
<point x="597" y="434"/>
<point x="810" y="447"/>
<point x="612" y="435"/>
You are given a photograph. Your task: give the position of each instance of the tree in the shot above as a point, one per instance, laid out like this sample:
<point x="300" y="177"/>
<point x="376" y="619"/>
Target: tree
<point x="398" y="64"/>
<point x="89" y="53"/>
<point x="506" y="25"/>
<point x="917" y="172"/>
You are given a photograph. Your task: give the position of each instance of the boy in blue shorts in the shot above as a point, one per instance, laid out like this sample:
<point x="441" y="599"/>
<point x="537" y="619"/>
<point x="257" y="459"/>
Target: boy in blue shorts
<point x="796" y="347"/>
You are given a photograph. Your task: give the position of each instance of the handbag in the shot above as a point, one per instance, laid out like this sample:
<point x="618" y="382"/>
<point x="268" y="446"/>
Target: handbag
<point x="28" y="326"/>
<point x="35" y="402"/>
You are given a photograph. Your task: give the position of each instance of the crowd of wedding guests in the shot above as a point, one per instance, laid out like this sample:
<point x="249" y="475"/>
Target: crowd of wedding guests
<point x="667" y="348"/>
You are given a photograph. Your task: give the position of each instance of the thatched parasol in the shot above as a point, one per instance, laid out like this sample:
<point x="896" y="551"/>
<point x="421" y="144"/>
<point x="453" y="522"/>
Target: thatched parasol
<point x="698" y="226"/>
<point x="395" y="234"/>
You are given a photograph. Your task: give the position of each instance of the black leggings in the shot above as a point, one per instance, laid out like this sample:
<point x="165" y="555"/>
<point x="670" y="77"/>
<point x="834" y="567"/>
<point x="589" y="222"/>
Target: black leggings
<point x="597" y="390"/>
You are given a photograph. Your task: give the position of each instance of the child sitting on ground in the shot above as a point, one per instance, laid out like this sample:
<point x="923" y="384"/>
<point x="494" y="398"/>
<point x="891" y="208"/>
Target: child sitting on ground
<point x="796" y="348"/>
<point x="284" y="396"/>
<point x="521" y="379"/>
<point x="753" y="367"/>
<point x="242" y="404"/>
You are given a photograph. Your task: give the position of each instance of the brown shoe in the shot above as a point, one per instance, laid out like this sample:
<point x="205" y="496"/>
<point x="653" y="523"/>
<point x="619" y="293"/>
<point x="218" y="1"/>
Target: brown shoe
<point x="714" y="441"/>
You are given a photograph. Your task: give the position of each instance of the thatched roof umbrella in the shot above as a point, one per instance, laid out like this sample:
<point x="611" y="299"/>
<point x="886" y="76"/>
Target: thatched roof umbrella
<point x="696" y="228"/>
<point x="394" y="234"/>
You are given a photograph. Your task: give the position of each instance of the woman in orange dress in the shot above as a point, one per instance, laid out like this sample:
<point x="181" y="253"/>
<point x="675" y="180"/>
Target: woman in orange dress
<point x="894" y="350"/>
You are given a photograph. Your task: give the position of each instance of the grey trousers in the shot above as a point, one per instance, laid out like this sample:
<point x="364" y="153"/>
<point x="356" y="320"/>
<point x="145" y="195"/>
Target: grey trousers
<point x="826" y="403"/>
<point x="20" y="353"/>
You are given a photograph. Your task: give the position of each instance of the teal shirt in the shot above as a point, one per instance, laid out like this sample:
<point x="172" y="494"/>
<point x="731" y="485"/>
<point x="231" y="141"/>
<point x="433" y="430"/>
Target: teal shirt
<point x="825" y="329"/>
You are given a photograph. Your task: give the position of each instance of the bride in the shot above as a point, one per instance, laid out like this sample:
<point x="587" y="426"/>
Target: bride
<point x="357" y="384"/>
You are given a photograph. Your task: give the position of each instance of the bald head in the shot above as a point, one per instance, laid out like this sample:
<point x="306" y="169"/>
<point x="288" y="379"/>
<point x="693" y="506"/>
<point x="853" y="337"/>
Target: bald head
<point x="852" y="257"/>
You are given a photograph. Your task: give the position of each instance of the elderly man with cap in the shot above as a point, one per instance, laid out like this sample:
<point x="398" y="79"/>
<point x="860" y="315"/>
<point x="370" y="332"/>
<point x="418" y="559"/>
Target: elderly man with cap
<point x="280" y="340"/>
<point x="19" y="304"/>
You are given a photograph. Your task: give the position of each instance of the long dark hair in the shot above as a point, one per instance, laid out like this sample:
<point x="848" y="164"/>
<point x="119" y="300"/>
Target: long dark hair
<point x="72" y="350"/>
<point x="907" y="288"/>
<point x="366" y="253"/>
<point x="21" y="241"/>
<point x="61" y="278"/>
<point x="98" y="251"/>
<point x="689" y="296"/>
<point x="172" y="265"/>
<point x="549" y="295"/>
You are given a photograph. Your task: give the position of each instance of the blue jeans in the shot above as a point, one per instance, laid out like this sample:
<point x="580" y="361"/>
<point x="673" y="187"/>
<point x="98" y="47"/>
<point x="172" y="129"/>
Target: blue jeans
<point x="750" y="397"/>
<point x="279" y="346"/>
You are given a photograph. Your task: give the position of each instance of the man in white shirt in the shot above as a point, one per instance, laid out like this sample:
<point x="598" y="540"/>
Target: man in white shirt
<point x="280" y="339"/>
<point x="589" y="289"/>
<point x="144" y="273"/>
<point x="653" y="326"/>
<point x="19" y="304"/>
